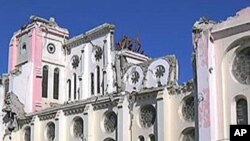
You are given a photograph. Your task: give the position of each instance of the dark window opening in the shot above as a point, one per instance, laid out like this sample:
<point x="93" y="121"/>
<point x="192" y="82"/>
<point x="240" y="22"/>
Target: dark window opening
<point x="45" y="82"/>
<point x="98" y="79"/>
<point x="241" y="110"/>
<point x="69" y="89"/>
<point x="6" y="85"/>
<point x="56" y="83"/>
<point x="141" y="138"/>
<point x="92" y="84"/>
<point x="75" y="86"/>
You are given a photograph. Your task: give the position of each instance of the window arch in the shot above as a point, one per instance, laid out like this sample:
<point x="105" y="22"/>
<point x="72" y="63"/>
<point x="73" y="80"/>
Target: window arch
<point x="241" y="111"/>
<point x="45" y="82"/>
<point x="56" y="83"/>
<point x="27" y="133"/>
<point x="75" y="85"/>
<point x="50" y="131"/>
<point x="98" y="79"/>
<point x="152" y="137"/>
<point x="188" y="134"/>
<point x="108" y="139"/>
<point x="188" y="108"/>
<point x="141" y="138"/>
<point x="69" y="89"/>
<point x="78" y="127"/>
<point x="92" y="84"/>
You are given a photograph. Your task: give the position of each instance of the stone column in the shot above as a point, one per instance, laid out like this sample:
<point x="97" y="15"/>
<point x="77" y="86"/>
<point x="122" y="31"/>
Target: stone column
<point x="123" y="131"/>
<point x="160" y="117"/>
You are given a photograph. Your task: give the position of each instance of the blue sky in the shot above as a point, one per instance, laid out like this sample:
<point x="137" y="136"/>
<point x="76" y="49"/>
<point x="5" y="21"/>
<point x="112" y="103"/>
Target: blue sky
<point x="164" y="27"/>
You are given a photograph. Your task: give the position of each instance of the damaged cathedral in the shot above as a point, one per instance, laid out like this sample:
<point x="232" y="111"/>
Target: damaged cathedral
<point x="88" y="88"/>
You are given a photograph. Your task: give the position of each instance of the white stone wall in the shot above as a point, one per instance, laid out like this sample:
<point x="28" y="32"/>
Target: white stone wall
<point x="217" y="48"/>
<point x="24" y="91"/>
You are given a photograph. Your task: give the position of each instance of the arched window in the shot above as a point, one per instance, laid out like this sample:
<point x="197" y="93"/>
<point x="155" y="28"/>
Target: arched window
<point x="188" y="108"/>
<point x="56" y="83"/>
<point x="69" y="89"/>
<point x="27" y="133"/>
<point x="45" y="82"/>
<point x="92" y="84"/>
<point x="50" y="131"/>
<point x="152" y="137"/>
<point x="98" y="79"/>
<point x="75" y="86"/>
<point x="188" y="134"/>
<point x="108" y="139"/>
<point x="241" y="111"/>
<point x="104" y="82"/>
<point x="78" y="127"/>
<point x="141" y="138"/>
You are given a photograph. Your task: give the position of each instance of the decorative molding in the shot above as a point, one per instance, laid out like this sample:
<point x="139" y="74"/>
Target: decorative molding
<point x="73" y="111"/>
<point x="26" y="121"/>
<point x="47" y="116"/>
<point x="105" y="104"/>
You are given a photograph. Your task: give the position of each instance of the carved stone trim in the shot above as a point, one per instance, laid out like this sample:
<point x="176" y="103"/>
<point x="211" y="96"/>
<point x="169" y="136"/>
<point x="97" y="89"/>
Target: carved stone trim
<point x="103" y="105"/>
<point x="73" y="111"/>
<point x="23" y="122"/>
<point x="47" y="116"/>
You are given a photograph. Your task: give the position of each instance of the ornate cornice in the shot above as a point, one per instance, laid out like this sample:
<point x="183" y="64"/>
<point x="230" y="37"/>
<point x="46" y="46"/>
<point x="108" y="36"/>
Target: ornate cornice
<point x="22" y="122"/>
<point x="47" y="116"/>
<point x="105" y="103"/>
<point x="73" y="111"/>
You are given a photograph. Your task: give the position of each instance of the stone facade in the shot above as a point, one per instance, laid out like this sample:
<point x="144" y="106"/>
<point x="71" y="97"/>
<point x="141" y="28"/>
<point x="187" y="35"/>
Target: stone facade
<point x="91" y="89"/>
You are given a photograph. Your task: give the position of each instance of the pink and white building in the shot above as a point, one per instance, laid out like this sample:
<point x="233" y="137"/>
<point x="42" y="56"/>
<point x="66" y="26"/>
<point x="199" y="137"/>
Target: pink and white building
<point x="89" y="88"/>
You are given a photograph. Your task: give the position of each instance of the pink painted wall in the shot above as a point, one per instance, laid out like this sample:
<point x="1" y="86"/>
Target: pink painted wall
<point x="203" y="88"/>
<point x="13" y="54"/>
<point x="36" y="58"/>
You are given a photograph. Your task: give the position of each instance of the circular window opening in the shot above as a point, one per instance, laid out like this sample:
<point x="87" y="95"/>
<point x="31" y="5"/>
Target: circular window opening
<point x="241" y="66"/>
<point x="50" y="131"/>
<point x="110" y="121"/>
<point x="78" y="127"/>
<point x="159" y="71"/>
<point x="75" y="61"/>
<point x="98" y="54"/>
<point x="135" y="77"/>
<point x="147" y="116"/>
<point x="51" y="48"/>
<point x="188" y="109"/>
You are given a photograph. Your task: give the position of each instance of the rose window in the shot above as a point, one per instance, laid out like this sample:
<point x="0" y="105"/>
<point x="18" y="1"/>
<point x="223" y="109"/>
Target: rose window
<point x="98" y="54"/>
<point x="110" y="121"/>
<point x="75" y="61"/>
<point x="147" y="116"/>
<point x="188" y="109"/>
<point x="135" y="77"/>
<point x="160" y="70"/>
<point x="51" y="131"/>
<point x="241" y="66"/>
<point x="78" y="128"/>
